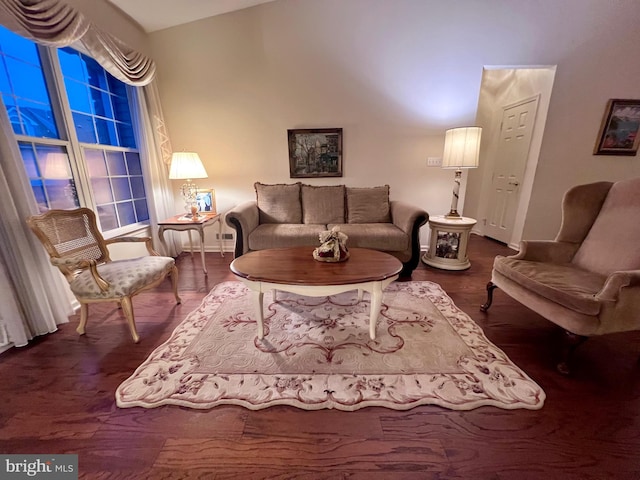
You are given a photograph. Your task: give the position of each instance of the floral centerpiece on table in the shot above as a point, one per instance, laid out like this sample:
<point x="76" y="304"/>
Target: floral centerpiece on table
<point x="333" y="246"/>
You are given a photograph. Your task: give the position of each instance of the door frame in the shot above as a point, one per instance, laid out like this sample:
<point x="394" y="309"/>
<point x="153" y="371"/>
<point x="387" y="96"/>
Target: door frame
<point x="541" y="84"/>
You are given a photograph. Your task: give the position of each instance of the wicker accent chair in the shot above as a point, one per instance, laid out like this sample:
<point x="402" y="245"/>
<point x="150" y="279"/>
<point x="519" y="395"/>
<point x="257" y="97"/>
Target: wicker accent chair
<point x="78" y="249"/>
<point x="587" y="280"/>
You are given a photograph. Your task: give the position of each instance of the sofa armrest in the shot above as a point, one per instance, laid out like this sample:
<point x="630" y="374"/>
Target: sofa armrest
<point x="546" y="251"/>
<point x="409" y="219"/>
<point x="404" y="216"/>
<point x="243" y="218"/>
<point x="616" y="282"/>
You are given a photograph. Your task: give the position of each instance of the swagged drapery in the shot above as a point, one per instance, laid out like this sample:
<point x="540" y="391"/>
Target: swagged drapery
<point x="39" y="289"/>
<point x="57" y="24"/>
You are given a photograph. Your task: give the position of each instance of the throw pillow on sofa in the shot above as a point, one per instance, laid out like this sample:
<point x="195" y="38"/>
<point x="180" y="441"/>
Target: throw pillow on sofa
<point x="278" y="203"/>
<point x="368" y="205"/>
<point x="323" y="204"/>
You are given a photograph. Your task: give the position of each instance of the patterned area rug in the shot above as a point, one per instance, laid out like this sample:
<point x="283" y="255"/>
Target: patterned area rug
<point x="317" y="353"/>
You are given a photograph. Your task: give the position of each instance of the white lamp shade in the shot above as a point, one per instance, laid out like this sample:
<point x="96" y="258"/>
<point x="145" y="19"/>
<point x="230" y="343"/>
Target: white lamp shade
<point x="186" y="165"/>
<point x="462" y="147"/>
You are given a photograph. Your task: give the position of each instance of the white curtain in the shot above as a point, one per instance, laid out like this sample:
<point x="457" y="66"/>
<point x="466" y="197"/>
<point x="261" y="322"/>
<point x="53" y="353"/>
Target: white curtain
<point x="39" y="288"/>
<point x="155" y="146"/>
<point x="40" y="292"/>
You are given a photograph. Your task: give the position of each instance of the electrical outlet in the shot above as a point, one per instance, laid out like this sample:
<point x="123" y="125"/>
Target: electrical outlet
<point x="434" y="161"/>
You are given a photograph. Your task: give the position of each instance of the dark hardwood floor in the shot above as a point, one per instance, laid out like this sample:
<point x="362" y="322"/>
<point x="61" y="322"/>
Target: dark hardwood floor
<point x="57" y="396"/>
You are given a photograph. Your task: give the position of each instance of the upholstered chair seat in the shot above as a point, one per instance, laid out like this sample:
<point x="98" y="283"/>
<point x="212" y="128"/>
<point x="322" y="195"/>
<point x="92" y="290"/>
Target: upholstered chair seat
<point x="587" y="280"/>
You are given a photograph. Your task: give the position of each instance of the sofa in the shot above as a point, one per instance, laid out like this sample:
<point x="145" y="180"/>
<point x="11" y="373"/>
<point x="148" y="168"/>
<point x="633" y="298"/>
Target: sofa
<point x="288" y="215"/>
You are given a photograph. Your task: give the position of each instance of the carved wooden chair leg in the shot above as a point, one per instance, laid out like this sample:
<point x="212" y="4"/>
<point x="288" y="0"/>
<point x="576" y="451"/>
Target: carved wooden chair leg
<point x="490" y="288"/>
<point x="127" y="309"/>
<point x="84" y="313"/>
<point x="571" y="342"/>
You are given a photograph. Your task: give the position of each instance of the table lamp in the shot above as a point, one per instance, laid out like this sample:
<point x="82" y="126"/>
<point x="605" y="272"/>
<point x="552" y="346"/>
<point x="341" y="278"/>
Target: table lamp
<point x="461" y="150"/>
<point x="187" y="166"/>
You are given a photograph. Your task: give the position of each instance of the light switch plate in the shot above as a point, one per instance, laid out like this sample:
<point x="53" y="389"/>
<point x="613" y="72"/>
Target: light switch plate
<point x="434" y="161"/>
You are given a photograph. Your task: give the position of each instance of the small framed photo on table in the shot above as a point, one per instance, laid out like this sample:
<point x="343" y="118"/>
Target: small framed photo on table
<point x="620" y="128"/>
<point x="206" y="200"/>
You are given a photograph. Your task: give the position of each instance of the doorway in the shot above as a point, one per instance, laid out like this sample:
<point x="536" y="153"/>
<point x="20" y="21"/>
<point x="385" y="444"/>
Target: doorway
<point x="512" y="110"/>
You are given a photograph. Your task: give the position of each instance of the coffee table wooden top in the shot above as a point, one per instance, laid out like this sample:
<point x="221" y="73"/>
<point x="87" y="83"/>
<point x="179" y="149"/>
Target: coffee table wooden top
<point x="296" y="266"/>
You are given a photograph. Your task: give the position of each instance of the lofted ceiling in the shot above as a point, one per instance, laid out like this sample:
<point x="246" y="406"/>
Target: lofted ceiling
<point x="155" y="15"/>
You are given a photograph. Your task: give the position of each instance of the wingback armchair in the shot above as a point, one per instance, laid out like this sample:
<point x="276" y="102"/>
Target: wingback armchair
<point x="587" y="280"/>
<point x="78" y="249"/>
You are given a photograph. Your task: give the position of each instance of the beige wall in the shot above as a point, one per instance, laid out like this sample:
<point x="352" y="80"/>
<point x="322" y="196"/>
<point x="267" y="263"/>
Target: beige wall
<point x="394" y="75"/>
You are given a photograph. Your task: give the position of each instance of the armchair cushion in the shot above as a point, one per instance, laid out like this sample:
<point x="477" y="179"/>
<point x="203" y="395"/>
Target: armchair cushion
<point x="564" y="284"/>
<point x="125" y="277"/>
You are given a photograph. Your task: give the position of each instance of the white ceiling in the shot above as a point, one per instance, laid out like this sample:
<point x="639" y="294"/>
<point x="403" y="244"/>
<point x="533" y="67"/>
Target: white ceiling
<point x="155" y="15"/>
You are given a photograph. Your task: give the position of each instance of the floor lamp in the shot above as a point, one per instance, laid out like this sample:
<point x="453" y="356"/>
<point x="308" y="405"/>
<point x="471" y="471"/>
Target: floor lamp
<point x="461" y="150"/>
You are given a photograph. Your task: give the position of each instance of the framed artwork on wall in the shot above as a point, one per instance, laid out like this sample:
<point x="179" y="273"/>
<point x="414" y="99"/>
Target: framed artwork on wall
<point x="620" y="128"/>
<point x="315" y="152"/>
<point x="206" y="200"/>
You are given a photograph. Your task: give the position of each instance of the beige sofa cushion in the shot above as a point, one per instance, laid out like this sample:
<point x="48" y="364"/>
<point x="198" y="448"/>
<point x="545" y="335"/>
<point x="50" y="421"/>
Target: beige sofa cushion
<point x="377" y="236"/>
<point x="279" y="203"/>
<point x="322" y="204"/>
<point x="368" y="205"/>
<point x="613" y="243"/>
<point x="280" y="235"/>
<point x="565" y="284"/>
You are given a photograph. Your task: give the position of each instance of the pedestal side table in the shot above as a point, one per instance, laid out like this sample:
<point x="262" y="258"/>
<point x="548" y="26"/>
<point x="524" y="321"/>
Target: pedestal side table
<point x="187" y="223"/>
<point x="448" y="242"/>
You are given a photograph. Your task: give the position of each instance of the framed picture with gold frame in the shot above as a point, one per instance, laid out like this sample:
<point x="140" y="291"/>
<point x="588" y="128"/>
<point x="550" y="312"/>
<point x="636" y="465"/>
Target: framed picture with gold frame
<point x="206" y="200"/>
<point x="620" y="128"/>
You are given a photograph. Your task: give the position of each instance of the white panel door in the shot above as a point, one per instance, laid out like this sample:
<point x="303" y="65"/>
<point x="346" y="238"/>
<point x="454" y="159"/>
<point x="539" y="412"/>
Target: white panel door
<point x="511" y="159"/>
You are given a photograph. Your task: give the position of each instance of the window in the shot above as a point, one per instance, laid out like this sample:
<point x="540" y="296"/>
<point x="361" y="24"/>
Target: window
<point x="78" y="147"/>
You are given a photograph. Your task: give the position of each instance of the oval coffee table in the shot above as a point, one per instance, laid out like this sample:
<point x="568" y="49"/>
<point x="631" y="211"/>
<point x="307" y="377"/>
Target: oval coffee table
<point x="294" y="270"/>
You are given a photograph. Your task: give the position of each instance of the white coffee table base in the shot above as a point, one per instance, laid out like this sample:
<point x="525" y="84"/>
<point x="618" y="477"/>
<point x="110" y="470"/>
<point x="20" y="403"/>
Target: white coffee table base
<point x="375" y="289"/>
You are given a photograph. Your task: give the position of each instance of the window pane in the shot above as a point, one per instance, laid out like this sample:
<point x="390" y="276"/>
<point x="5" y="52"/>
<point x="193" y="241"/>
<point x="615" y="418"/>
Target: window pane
<point x="102" y="190"/>
<point x="126" y="213"/>
<point x="23" y="87"/>
<point x="37" y="119"/>
<point x="121" y="189"/>
<point x="53" y="162"/>
<point x="115" y="161"/>
<point x="84" y="128"/>
<point x="133" y="162"/>
<point x="125" y="132"/>
<point x="18" y="47"/>
<point x="29" y="159"/>
<point x="71" y="64"/>
<point x="95" y="73"/>
<point x="101" y="103"/>
<point x="78" y="96"/>
<point x="106" y="132"/>
<point x="31" y="85"/>
<point x="107" y="216"/>
<point x="95" y="163"/>
<point x="61" y="193"/>
<point x="12" y="111"/>
<point x="137" y="187"/>
<point x="141" y="210"/>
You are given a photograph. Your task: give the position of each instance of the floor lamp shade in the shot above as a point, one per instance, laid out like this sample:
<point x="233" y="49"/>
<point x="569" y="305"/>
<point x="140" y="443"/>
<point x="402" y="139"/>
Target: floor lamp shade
<point x="461" y="150"/>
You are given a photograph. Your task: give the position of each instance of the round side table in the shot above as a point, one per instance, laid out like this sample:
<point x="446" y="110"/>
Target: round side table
<point x="448" y="242"/>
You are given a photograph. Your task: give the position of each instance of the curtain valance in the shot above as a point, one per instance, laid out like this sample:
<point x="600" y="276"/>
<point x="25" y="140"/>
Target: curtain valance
<point x="57" y="24"/>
